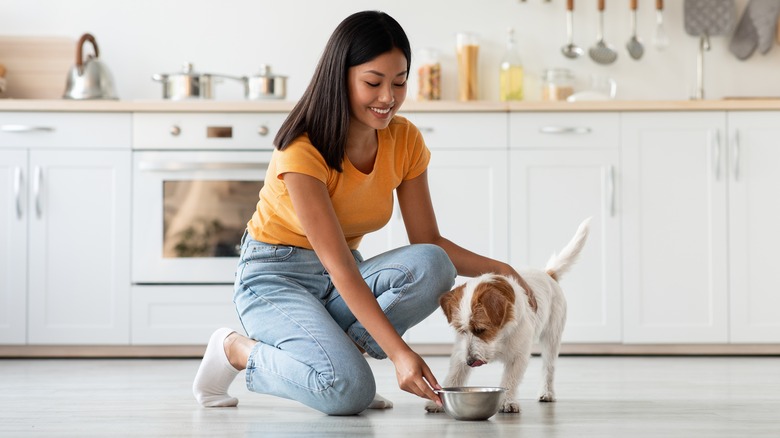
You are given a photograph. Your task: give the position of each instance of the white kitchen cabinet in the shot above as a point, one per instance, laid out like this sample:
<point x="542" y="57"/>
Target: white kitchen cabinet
<point x="674" y="198"/>
<point x="13" y="247"/>
<point x="564" y="169"/>
<point x="75" y="208"/>
<point x="468" y="179"/>
<point x="754" y="234"/>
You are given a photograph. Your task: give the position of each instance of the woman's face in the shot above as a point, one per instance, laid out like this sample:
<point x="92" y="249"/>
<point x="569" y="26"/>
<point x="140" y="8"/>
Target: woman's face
<point x="377" y="89"/>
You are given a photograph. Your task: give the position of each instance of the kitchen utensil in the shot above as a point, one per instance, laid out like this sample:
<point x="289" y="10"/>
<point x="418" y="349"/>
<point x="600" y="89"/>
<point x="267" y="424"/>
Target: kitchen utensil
<point x="706" y="18"/>
<point x="634" y="46"/>
<point x="660" y="38"/>
<point x="186" y="84"/>
<point x="471" y="402"/>
<point x="601" y="52"/>
<point x="89" y="78"/>
<point x="265" y="85"/>
<point x="570" y="50"/>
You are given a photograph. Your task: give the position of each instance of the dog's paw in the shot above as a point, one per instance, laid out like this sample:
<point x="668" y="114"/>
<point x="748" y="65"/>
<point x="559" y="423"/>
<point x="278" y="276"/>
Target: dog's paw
<point x="433" y="407"/>
<point x="510" y="406"/>
<point x="547" y="396"/>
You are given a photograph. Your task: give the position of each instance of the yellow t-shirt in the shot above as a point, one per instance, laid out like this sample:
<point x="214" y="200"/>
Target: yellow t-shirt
<point x="363" y="202"/>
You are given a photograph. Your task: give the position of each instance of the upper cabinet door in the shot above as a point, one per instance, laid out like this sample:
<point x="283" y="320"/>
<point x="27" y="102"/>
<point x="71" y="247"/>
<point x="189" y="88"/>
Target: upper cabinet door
<point x="675" y="280"/>
<point x="754" y="215"/>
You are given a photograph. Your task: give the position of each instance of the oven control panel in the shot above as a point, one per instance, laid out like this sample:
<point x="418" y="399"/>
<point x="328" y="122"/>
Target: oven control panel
<point x="205" y="131"/>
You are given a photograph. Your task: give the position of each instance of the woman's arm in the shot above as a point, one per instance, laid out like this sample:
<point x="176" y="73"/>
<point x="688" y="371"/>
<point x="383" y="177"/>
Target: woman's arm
<point x="314" y="209"/>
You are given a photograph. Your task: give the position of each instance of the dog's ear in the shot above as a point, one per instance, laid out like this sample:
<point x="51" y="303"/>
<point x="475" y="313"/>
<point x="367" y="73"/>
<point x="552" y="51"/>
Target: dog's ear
<point x="497" y="298"/>
<point x="449" y="302"/>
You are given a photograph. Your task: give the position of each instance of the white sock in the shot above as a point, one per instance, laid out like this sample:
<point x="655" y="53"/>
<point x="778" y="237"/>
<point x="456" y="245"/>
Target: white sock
<point x="215" y="374"/>
<point x="380" y="402"/>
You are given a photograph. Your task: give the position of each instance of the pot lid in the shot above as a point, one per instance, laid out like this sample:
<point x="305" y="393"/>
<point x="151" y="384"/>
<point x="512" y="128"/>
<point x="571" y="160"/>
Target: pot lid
<point x="265" y="72"/>
<point x="186" y="70"/>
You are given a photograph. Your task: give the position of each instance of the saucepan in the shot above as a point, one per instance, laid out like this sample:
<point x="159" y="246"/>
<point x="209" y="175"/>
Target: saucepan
<point x="186" y="84"/>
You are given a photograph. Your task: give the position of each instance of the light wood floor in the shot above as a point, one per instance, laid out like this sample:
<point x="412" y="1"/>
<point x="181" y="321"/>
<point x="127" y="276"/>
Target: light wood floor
<point x="597" y="397"/>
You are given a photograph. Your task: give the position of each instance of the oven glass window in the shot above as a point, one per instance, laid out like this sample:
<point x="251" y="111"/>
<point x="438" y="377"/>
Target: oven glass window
<point x="206" y="218"/>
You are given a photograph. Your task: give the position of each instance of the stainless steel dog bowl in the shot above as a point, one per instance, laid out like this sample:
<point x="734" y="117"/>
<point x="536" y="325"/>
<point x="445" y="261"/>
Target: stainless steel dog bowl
<point x="471" y="402"/>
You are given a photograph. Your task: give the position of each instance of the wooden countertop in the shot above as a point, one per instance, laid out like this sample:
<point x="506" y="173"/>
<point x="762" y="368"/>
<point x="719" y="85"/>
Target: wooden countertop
<point x="746" y="104"/>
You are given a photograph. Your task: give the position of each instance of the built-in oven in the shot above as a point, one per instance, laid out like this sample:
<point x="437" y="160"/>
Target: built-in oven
<point x="196" y="179"/>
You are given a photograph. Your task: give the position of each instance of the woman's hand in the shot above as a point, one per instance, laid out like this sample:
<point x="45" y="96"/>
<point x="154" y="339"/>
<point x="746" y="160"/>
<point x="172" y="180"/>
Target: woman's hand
<point x="414" y="376"/>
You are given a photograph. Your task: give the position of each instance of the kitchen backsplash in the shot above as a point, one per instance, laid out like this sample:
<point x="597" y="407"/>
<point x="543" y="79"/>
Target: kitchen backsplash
<point x="139" y="39"/>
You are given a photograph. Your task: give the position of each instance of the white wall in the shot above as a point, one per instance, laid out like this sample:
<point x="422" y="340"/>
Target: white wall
<point x="141" y="37"/>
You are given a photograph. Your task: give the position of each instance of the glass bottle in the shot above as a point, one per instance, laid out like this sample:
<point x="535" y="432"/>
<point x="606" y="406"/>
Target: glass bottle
<point x="511" y="72"/>
<point x="558" y="84"/>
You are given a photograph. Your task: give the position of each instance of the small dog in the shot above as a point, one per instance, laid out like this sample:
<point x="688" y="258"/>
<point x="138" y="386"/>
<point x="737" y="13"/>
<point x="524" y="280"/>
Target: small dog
<point x="494" y="320"/>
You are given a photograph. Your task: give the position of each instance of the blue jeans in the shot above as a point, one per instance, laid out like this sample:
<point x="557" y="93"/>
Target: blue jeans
<point x="306" y="333"/>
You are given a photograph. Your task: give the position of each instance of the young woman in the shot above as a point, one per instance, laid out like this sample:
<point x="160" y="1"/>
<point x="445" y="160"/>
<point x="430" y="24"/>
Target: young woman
<point x="309" y="303"/>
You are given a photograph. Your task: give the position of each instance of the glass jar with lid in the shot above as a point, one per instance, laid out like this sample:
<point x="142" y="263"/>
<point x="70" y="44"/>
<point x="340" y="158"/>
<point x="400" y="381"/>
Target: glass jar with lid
<point x="429" y="75"/>
<point x="557" y="84"/>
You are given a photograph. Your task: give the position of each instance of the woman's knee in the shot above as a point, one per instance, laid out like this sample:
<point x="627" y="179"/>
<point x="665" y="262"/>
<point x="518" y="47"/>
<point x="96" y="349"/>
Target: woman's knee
<point x="352" y="393"/>
<point x="436" y="266"/>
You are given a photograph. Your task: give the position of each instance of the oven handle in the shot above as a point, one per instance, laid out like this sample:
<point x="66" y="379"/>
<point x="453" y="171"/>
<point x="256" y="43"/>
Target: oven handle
<point x="178" y="166"/>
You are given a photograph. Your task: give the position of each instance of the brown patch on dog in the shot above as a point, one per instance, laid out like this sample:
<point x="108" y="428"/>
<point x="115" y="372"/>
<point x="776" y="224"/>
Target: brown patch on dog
<point x="553" y="275"/>
<point x="450" y="300"/>
<point x="492" y="306"/>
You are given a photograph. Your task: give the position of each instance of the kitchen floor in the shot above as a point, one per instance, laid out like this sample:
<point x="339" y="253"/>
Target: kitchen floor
<point x="597" y="396"/>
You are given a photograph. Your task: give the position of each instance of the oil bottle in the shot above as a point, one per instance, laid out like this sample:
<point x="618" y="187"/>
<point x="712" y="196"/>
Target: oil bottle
<point x="511" y="72"/>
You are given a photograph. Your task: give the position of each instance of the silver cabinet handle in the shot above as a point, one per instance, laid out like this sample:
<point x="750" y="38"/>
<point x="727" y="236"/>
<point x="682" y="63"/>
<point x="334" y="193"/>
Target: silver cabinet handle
<point x="564" y="130"/>
<point x="425" y="129"/>
<point x="25" y="128"/>
<point x="177" y="166"/>
<point x="715" y="146"/>
<point x="611" y="191"/>
<point x="37" y="182"/>
<point x="18" y="191"/>
<point x="736" y="152"/>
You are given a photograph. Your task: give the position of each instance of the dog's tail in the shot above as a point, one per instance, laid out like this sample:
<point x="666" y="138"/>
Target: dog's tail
<point x="560" y="263"/>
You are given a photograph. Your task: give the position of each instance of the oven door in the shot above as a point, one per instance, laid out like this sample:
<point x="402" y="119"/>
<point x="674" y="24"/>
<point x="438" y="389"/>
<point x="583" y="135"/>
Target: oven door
<point x="190" y="209"/>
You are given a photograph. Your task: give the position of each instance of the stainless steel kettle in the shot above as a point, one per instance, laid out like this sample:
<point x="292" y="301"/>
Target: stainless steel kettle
<point x="89" y="78"/>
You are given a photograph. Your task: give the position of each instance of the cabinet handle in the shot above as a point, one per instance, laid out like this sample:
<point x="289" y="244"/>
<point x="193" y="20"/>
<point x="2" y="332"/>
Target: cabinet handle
<point x="715" y="145"/>
<point x="736" y="155"/>
<point x="425" y="129"/>
<point x="37" y="181"/>
<point x="611" y="191"/>
<point x="18" y="191"/>
<point x="25" y="128"/>
<point x="179" y="166"/>
<point x="564" y="130"/>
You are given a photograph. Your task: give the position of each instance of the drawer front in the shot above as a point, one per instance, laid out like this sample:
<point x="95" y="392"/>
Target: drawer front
<point x="214" y="131"/>
<point x="564" y="130"/>
<point x="180" y="315"/>
<point x="461" y="131"/>
<point x="65" y="130"/>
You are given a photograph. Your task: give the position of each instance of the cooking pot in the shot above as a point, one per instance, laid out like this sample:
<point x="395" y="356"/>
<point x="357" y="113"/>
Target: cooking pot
<point x="89" y="78"/>
<point x="187" y="84"/>
<point x="265" y="85"/>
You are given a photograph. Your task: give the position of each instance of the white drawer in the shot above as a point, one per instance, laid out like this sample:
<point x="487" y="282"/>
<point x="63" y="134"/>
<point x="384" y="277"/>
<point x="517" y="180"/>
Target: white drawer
<point x="213" y="131"/>
<point x="461" y="131"/>
<point x="564" y="130"/>
<point x="180" y="315"/>
<point x="65" y="130"/>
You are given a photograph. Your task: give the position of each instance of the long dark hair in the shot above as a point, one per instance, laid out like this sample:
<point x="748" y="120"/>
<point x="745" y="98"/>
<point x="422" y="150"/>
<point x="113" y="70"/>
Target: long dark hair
<point x="323" y="110"/>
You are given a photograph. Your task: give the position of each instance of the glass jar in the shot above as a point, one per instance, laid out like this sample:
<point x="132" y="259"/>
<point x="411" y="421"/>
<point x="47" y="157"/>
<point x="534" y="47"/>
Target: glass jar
<point x="557" y="84"/>
<point x="429" y="75"/>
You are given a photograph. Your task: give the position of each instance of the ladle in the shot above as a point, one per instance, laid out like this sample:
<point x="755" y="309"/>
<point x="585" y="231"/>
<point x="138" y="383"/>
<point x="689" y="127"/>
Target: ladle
<point x="634" y="46"/>
<point x="570" y="50"/>
<point x="601" y="52"/>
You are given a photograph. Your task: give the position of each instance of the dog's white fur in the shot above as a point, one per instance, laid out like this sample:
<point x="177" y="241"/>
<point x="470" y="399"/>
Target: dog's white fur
<point x="495" y="322"/>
